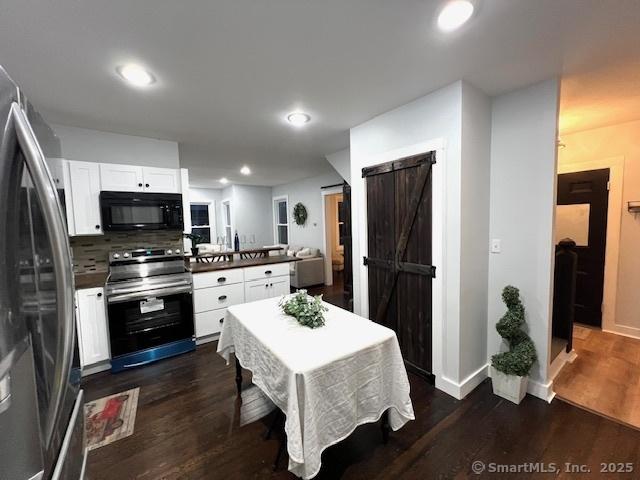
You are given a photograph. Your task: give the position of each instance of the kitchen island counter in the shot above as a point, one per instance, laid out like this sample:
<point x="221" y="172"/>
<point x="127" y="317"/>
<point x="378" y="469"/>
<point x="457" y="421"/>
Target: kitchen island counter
<point x="241" y="263"/>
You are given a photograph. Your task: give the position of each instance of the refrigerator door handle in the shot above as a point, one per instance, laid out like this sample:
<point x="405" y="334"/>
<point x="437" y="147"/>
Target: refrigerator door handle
<point x="54" y="220"/>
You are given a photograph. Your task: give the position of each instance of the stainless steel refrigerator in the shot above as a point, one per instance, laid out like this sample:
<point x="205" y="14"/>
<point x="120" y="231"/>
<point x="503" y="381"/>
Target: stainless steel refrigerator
<point x="41" y="404"/>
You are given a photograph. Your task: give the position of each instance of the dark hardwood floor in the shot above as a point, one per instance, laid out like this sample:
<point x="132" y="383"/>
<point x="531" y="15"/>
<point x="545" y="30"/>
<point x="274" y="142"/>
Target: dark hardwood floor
<point x="190" y="425"/>
<point x="333" y="294"/>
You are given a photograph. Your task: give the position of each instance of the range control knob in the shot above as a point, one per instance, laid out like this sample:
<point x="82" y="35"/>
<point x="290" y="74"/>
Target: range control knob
<point x="169" y="252"/>
<point x="126" y="255"/>
<point x="116" y="256"/>
<point x="177" y="251"/>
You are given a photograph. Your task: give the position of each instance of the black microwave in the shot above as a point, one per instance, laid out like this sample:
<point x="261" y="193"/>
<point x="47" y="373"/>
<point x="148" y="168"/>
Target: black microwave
<point x="126" y="211"/>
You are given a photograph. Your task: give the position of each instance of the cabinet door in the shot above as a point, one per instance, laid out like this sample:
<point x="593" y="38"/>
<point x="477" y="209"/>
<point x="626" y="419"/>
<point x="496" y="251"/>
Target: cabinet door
<point x="208" y="323"/>
<point x="161" y="180"/>
<point x="121" y="178"/>
<point x="279" y="286"/>
<point x="93" y="336"/>
<point x="85" y="195"/>
<point x="256" y="290"/>
<point x="59" y="168"/>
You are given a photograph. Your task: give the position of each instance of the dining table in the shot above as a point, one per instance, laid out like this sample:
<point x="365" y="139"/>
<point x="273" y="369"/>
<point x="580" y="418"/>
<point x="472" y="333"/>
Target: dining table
<point x="327" y="380"/>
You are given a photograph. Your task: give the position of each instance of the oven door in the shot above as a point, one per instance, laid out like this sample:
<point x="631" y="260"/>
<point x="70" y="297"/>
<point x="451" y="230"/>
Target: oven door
<point x="126" y="211"/>
<point x="148" y="324"/>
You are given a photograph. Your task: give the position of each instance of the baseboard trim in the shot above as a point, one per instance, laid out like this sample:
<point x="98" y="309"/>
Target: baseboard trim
<point x="630" y="332"/>
<point x="96" y="368"/>
<point x="543" y="391"/>
<point x="466" y="386"/>
<point x="210" y="338"/>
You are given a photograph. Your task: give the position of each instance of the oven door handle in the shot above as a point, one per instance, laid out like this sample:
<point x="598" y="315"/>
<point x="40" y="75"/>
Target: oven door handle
<point x="143" y="295"/>
<point x="111" y="291"/>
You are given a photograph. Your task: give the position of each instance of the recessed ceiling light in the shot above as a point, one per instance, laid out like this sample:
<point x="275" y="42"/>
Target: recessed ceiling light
<point x="136" y="75"/>
<point x="298" y="119"/>
<point x="245" y="170"/>
<point x="454" y="14"/>
<point x="224" y="180"/>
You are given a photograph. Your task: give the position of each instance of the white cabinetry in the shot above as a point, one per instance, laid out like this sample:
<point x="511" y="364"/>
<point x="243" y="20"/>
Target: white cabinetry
<point x="161" y="180"/>
<point x="217" y="290"/>
<point x="91" y="321"/>
<point x="85" y="197"/>
<point x="133" y="178"/>
<point x="121" y="178"/>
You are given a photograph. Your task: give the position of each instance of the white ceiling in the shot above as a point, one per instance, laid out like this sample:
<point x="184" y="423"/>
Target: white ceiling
<point x="228" y="71"/>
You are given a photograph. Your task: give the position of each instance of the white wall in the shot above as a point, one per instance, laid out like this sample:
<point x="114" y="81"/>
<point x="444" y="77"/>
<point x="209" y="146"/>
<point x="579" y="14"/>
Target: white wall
<point x="104" y="147"/>
<point x="306" y="192"/>
<point x="341" y="161"/>
<point x="474" y="264"/>
<point x="432" y="122"/>
<point x="523" y="173"/>
<point x="251" y="213"/>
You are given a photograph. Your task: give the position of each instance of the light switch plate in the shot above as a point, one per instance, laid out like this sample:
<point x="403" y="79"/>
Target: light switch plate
<point x="496" y="245"/>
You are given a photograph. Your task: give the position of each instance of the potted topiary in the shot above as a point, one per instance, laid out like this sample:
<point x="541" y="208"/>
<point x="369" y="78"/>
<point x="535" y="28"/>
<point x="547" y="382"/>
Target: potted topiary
<point x="510" y="370"/>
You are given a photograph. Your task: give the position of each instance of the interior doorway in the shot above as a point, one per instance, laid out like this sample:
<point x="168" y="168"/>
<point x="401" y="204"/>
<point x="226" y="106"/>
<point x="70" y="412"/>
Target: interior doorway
<point x="338" y="289"/>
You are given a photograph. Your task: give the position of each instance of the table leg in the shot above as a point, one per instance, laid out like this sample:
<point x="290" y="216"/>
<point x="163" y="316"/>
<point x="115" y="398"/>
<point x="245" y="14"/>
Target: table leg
<point x="385" y="427"/>
<point x="238" y="377"/>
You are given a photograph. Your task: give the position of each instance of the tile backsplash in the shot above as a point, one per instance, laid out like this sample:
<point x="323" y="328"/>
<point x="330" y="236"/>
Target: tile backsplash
<point x="91" y="253"/>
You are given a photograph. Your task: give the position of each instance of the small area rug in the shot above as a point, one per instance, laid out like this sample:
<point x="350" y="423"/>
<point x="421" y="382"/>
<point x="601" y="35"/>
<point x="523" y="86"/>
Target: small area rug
<point x="110" y="418"/>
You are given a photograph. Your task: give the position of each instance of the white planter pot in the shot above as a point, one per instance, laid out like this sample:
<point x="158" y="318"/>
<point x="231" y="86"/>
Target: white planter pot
<point x="511" y="387"/>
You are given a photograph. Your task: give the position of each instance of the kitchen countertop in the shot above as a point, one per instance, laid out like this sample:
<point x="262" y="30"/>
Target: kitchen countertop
<point x="90" y="280"/>
<point x="249" y="262"/>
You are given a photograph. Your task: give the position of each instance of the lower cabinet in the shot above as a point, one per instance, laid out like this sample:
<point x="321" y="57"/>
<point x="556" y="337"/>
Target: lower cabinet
<point x="91" y="321"/>
<point x="215" y="291"/>
<point x="209" y="323"/>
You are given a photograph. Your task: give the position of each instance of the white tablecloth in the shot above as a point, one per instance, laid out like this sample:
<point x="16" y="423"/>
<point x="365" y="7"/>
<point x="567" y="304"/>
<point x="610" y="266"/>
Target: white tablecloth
<point x="327" y="380"/>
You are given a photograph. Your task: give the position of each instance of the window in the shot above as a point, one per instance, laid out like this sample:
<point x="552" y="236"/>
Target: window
<point x="200" y="221"/>
<point x="228" y="229"/>
<point x="281" y="217"/>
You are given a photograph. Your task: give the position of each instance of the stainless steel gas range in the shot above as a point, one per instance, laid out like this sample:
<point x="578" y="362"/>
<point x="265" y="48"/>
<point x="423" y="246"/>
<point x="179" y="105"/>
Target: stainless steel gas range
<point x="149" y="305"/>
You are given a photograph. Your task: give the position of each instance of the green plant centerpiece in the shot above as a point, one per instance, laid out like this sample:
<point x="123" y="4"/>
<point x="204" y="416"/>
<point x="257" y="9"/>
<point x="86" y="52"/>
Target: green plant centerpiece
<point x="300" y="214"/>
<point x="511" y="368"/>
<point x="195" y="240"/>
<point x="307" y="310"/>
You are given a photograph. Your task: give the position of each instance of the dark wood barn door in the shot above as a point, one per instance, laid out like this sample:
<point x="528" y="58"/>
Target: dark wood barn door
<point x="347" y="243"/>
<point x="399" y="260"/>
<point x="588" y="190"/>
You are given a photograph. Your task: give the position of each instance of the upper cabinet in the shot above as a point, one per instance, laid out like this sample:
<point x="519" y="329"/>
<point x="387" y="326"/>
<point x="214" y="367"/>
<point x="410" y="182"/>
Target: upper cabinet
<point x="121" y="178"/>
<point x="161" y="180"/>
<point x="85" y="195"/>
<point x="133" y="178"/>
<point x="80" y="183"/>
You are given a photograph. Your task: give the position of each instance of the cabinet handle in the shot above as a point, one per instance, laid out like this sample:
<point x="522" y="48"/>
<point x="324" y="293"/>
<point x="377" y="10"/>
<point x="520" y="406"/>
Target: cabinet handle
<point x="222" y="320"/>
<point x="99" y="294"/>
<point x="139" y="184"/>
<point x="267" y="272"/>
<point x="222" y="279"/>
<point x="97" y="227"/>
<point x="222" y="298"/>
<point x="146" y="185"/>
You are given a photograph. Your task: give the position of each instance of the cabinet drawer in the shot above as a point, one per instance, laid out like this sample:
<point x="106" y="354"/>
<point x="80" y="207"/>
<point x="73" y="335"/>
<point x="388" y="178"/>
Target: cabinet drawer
<point x="208" y="323"/>
<point x="214" y="279"/>
<point x="212" y="298"/>
<point x="266" y="271"/>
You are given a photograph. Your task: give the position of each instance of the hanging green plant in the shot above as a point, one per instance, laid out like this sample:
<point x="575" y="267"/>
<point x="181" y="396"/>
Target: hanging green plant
<point x="300" y="214"/>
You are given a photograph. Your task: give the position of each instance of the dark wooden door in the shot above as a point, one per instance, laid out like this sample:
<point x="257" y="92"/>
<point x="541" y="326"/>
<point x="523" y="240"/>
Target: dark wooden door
<point x="346" y="242"/>
<point x="588" y="190"/>
<point x="399" y="263"/>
